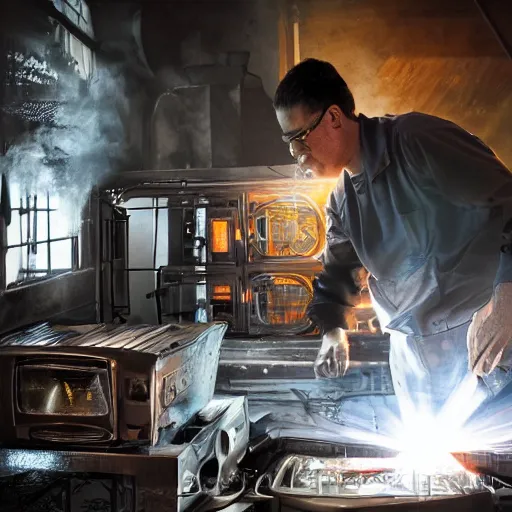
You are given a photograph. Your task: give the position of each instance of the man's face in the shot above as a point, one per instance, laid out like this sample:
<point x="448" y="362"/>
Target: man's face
<point x="317" y="140"/>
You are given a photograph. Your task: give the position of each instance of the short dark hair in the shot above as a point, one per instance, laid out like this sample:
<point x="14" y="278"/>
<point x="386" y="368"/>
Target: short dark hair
<point x="316" y="85"/>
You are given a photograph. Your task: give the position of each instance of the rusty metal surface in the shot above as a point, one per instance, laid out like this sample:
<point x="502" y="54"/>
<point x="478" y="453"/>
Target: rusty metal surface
<point x="157" y="340"/>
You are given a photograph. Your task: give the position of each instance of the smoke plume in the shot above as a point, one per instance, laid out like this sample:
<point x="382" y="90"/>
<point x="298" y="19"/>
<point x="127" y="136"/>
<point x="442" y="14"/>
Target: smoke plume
<point x="78" y="138"/>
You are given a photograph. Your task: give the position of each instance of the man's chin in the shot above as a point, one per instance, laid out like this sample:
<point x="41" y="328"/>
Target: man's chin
<point x="326" y="172"/>
<point x="317" y="170"/>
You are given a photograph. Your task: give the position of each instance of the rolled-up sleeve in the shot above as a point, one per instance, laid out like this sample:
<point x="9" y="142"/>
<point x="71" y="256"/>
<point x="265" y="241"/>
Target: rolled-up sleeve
<point x="465" y="170"/>
<point x="336" y="287"/>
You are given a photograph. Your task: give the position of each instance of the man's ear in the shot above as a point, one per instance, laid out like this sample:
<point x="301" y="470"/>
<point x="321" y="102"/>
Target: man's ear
<point x="335" y="116"/>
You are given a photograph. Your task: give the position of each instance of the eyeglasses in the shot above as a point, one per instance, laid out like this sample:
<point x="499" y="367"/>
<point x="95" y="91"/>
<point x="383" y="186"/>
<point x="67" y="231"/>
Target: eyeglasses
<point x="300" y="137"/>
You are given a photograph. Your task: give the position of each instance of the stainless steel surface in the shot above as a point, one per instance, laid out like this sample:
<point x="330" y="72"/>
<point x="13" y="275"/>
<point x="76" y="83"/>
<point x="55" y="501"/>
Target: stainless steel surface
<point x="233" y="175"/>
<point x="368" y="477"/>
<point x="190" y="379"/>
<point x="286" y="400"/>
<point x="209" y="455"/>
<point x="283" y="360"/>
<point x="481" y="502"/>
<point x="151" y="339"/>
<point x="178" y="365"/>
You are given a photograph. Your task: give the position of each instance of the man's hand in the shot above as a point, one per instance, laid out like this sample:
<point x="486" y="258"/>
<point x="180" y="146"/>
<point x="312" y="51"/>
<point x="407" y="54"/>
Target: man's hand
<point x="333" y="357"/>
<point x="490" y="331"/>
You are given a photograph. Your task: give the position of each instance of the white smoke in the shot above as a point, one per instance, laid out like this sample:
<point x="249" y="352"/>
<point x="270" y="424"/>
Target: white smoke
<point x="81" y="144"/>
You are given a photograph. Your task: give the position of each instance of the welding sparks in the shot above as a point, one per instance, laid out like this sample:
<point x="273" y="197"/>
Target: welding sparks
<point x="425" y="440"/>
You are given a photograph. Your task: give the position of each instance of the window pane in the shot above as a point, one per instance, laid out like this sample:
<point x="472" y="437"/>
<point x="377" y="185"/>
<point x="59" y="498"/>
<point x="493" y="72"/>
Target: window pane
<point x="59" y="225"/>
<point x="14" y="190"/>
<point x="162" y="239"/>
<point x="24" y="259"/>
<point x="141" y="238"/>
<point x="60" y="254"/>
<point x="12" y="264"/>
<point x="42" y="226"/>
<point x="41" y="258"/>
<point x="13" y="230"/>
<point x="139" y="202"/>
<point x="54" y="202"/>
<point x="77" y="11"/>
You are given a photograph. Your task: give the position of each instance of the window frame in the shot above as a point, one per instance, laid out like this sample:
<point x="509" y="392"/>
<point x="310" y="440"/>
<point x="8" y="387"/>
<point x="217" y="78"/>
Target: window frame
<point x="28" y="240"/>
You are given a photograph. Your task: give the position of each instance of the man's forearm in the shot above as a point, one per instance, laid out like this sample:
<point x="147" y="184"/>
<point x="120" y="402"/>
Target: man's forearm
<point x="334" y="293"/>
<point x="327" y="315"/>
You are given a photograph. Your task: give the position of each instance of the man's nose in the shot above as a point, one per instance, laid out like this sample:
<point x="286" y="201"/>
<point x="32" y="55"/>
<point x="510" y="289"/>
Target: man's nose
<point x="298" y="150"/>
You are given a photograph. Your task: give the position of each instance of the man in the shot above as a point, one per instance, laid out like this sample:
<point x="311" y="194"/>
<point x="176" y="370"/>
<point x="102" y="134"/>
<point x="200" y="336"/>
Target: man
<point x="423" y="205"/>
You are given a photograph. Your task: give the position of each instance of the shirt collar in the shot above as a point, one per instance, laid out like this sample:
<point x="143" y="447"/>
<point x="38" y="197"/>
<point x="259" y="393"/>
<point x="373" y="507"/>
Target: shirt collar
<point x="374" y="135"/>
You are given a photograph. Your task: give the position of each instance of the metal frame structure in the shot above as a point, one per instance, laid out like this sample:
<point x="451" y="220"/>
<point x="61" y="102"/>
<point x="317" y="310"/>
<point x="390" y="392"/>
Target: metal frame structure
<point x="196" y="189"/>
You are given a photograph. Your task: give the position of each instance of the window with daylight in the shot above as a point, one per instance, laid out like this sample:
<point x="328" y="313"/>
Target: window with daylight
<point x="77" y="11"/>
<point x="39" y="239"/>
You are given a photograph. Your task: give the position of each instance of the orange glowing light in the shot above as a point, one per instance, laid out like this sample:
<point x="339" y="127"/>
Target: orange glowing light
<point x="285" y="281"/>
<point x="238" y="235"/>
<point x="246" y="296"/>
<point x="290" y="223"/>
<point x="222" y="292"/>
<point x="220" y="236"/>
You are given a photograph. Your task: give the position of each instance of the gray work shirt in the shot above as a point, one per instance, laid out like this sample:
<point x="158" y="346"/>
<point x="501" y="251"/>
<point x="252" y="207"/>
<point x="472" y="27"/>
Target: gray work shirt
<point x="425" y="218"/>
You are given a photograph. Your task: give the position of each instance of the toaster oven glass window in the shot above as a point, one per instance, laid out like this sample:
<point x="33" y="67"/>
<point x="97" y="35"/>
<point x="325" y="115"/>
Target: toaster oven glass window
<point x="280" y="299"/>
<point x="59" y="390"/>
<point x="289" y="226"/>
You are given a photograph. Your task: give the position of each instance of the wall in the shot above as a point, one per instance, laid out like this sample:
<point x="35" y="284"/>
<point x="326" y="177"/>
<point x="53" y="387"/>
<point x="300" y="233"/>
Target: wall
<point x="434" y="56"/>
<point x="156" y="41"/>
<point x="194" y="32"/>
<point x="178" y="34"/>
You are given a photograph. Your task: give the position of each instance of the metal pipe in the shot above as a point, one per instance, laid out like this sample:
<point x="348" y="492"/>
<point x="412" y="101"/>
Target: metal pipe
<point x="495" y="30"/>
<point x="233" y="185"/>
